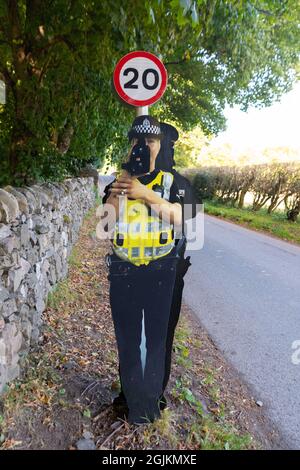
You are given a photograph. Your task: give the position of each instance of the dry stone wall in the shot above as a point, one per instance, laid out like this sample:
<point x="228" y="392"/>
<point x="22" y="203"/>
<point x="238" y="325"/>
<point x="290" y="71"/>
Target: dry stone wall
<point x="38" y="227"/>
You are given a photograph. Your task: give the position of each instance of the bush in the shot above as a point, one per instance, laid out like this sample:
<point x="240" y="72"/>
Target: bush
<point x="204" y="186"/>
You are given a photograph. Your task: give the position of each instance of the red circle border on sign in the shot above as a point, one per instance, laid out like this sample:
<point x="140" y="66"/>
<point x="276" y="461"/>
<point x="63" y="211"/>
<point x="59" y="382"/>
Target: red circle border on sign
<point x="121" y="92"/>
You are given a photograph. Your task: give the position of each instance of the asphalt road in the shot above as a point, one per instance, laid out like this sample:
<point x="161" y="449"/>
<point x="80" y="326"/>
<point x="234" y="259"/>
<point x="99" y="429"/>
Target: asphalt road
<point x="244" y="287"/>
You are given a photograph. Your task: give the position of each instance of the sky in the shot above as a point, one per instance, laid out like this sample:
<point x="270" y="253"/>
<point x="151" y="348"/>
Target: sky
<point x="277" y="125"/>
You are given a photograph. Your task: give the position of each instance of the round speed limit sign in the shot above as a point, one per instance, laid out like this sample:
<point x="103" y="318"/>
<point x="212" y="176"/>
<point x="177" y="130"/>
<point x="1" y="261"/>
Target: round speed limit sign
<point x="140" y="78"/>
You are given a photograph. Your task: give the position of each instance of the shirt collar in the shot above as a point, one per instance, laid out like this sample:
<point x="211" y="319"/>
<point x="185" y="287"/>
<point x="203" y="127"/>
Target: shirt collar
<point x="145" y="179"/>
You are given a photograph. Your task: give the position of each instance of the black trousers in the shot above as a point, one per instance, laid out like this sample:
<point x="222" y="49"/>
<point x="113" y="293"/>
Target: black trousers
<point x="182" y="266"/>
<point x="141" y="298"/>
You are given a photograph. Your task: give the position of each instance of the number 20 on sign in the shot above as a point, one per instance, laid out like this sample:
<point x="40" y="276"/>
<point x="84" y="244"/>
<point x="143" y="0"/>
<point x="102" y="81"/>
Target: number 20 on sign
<point x="140" y="78"/>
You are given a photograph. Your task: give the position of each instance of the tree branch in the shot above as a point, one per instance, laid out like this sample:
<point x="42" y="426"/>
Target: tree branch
<point x="45" y="68"/>
<point x="264" y="12"/>
<point x="7" y="78"/>
<point x="179" y="62"/>
<point x="56" y="40"/>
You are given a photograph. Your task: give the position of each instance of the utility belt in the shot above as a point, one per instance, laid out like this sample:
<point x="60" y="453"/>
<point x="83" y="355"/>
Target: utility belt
<point x="118" y="266"/>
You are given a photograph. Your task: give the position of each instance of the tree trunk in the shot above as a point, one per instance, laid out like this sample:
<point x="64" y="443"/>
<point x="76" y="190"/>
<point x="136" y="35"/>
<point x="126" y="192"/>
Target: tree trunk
<point x="242" y="199"/>
<point x="293" y="213"/>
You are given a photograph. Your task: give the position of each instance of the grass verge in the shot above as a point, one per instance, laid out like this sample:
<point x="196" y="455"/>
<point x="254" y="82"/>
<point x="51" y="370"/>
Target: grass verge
<point x="275" y="223"/>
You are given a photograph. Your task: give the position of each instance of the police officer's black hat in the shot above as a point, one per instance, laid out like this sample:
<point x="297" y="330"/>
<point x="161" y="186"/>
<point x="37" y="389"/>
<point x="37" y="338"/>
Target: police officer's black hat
<point x="145" y="126"/>
<point x="170" y="130"/>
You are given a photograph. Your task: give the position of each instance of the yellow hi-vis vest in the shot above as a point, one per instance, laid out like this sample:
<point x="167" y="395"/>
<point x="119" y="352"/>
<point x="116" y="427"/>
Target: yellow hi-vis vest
<point x="140" y="236"/>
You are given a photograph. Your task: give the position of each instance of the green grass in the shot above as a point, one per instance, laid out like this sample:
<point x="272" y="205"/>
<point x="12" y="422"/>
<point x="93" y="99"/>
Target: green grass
<point x="61" y="295"/>
<point x="275" y="223"/>
<point x="75" y="257"/>
<point x="40" y="383"/>
<point x="216" y="436"/>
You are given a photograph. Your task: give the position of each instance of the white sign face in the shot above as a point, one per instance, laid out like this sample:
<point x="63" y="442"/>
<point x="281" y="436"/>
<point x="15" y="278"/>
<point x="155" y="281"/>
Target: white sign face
<point x="140" y="78"/>
<point x="2" y="92"/>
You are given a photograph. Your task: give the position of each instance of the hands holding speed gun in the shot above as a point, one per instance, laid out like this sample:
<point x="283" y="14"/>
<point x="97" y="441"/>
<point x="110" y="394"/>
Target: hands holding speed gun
<point x="128" y="185"/>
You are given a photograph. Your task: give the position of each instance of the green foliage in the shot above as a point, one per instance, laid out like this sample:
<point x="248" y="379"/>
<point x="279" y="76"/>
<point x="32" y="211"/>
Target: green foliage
<point x="57" y="58"/>
<point x="189" y="147"/>
<point x="204" y="186"/>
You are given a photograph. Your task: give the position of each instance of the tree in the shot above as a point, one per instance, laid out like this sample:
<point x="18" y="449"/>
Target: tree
<point x="189" y="146"/>
<point x="57" y="59"/>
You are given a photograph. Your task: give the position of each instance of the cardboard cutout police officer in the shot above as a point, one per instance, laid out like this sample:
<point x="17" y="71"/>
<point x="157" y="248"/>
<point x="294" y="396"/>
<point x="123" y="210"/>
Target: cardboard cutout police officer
<point x="142" y="269"/>
<point x="165" y="161"/>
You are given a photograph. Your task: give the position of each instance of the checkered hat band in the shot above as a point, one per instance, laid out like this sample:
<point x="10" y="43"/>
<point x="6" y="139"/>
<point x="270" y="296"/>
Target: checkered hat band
<point x="141" y="129"/>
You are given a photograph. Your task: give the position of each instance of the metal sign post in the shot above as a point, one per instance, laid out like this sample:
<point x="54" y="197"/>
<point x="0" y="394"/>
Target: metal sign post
<point x="142" y="110"/>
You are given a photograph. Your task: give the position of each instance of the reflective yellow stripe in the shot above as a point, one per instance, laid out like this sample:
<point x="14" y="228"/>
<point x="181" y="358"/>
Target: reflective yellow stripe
<point x="138" y="236"/>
